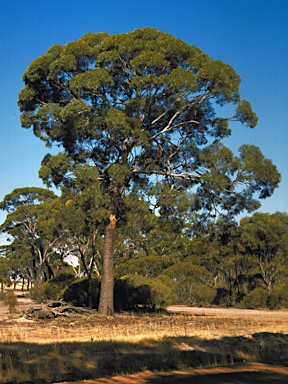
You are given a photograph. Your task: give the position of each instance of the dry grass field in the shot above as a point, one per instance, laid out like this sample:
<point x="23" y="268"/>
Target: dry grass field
<point x="91" y="347"/>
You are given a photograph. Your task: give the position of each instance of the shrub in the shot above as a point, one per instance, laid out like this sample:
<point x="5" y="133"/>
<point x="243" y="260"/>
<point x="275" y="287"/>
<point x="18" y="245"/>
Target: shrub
<point x="279" y="296"/>
<point x="190" y="292"/>
<point x="83" y="293"/>
<point x="125" y="295"/>
<point x="11" y="301"/>
<point x="52" y="289"/>
<point x="37" y="293"/>
<point x="148" y="266"/>
<point x="222" y="297"/>
<point x="166" y="280"/>
<point x="182" y="271"/>
<point x="204" y="295"/>
<point x="184" y="291"/>
<point x="133" y="292"/>
<point x="160" y="293"/>
<point x="255" y="299"/>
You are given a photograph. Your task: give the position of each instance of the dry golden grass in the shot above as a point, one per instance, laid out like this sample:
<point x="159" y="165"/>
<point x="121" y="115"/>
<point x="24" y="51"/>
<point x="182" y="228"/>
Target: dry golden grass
<point x="133" y="328"/>
<point x="96" y="347"/>
<point x="91" y="346"/>
<point x="177" y="321"/>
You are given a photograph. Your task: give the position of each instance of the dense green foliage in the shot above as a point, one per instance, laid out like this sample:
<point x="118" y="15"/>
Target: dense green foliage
<point x="230" y="264"/>
<point x="146" y="185"/>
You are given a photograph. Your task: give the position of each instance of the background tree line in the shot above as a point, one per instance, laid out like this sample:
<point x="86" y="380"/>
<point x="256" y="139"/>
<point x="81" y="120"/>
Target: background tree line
<point x="160" y="256"/>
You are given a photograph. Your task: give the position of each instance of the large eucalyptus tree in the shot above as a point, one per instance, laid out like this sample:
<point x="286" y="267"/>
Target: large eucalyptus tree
<point x="141" y="108"/>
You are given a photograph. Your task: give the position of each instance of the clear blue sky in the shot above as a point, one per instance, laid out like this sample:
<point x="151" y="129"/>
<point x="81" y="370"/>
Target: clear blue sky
<point x="250" y="35"/>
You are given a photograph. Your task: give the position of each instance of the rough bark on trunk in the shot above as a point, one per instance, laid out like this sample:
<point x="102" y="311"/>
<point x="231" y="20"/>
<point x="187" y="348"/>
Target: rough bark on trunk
<point x="106" y="303"/>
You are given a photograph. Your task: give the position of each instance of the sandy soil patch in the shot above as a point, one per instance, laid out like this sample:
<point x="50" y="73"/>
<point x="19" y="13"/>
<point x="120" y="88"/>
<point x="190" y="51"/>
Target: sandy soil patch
<point x="224" y="311"/>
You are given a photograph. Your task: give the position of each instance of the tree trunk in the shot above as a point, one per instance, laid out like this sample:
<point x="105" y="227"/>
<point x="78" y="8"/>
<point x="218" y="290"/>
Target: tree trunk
<point x="106" y="303"/>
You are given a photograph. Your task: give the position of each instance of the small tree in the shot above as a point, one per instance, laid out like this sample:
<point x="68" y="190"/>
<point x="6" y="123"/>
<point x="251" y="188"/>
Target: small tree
<point x="4" y="269"/>
<point x="265" y="237"/>
<point x="257" y="298"/>
<point x="31" y="224"/>
<point x="11" y="301"/>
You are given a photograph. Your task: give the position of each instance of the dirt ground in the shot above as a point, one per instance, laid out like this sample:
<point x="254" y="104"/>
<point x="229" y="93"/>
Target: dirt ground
<point x="237" y="374"/>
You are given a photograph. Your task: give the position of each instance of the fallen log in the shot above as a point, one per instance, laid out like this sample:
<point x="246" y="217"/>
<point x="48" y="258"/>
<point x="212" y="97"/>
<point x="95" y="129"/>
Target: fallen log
<point x="53" y="309"/>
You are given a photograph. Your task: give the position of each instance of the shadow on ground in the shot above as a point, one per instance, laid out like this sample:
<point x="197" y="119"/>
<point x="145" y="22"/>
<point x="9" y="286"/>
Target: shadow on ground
<point x="50" y="363"/>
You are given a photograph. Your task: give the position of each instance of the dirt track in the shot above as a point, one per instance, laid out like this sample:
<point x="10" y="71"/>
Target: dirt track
<point x="239" y="374"/>
<point x="224" y="311"/>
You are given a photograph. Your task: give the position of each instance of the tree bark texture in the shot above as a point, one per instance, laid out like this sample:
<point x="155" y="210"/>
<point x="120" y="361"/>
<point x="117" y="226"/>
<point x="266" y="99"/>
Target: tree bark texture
<point x="106" y="303"/>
